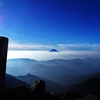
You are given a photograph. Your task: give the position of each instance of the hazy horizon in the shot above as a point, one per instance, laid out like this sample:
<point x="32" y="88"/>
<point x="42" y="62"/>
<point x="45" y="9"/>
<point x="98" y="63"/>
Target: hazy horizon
<point x="46" y="55"/>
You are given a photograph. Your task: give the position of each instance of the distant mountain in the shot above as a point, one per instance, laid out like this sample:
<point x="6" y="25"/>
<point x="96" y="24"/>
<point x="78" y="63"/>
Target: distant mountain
<point x="91" y="85"/>
<point x="50" y="85"/>
<point x="53" y="50"/>
<point x="11" y="81"/>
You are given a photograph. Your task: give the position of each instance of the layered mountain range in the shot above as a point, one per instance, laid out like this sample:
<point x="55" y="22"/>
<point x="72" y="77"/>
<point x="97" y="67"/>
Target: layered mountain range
<point x="85" y="86"/>
<point x="58" y="74"/>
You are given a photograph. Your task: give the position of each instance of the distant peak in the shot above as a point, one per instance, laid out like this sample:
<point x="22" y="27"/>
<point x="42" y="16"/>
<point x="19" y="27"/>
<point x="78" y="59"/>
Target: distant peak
<point x="53" y="50"/>
<point x="28" y="74"/>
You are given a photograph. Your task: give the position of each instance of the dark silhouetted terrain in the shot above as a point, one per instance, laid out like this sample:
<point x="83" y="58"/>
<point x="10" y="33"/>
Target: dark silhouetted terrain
<point x="12" y="81"/>
<point x="91" y="85"/>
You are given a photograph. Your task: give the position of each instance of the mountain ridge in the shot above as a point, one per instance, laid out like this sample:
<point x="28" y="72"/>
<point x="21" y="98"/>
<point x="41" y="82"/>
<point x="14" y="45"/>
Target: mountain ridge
<point x="50" y="85"/>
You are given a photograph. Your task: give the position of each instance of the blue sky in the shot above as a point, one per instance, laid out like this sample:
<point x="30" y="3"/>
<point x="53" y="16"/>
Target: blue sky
<point x="47" y="24"/>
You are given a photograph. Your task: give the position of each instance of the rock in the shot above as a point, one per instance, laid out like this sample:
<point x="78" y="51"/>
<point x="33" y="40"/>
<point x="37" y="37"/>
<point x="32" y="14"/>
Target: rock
<point x="38" y="87"/>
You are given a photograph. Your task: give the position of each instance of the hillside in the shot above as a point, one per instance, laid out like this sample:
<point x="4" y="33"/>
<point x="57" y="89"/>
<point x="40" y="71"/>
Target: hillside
<point x="11" y="81"/>
<point x="91" y="85"/>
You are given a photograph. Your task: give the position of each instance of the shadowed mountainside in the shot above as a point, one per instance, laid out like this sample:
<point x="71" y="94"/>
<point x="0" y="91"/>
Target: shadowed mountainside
<point x="91" y="85"/>
<point x="11" y="81"/>
<point x="68" y="80"/>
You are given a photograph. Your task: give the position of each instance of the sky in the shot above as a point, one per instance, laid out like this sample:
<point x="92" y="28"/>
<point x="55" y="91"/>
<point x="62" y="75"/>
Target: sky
<point x="42" y="25"/>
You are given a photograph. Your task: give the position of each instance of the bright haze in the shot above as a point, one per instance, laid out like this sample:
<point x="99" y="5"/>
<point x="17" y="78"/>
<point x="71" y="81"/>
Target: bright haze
<point x="34" y="27"/>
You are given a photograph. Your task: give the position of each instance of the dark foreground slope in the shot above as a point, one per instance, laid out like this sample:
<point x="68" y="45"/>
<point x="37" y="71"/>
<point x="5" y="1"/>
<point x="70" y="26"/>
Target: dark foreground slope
<point x="11" y="81"/>
<point x="91" y="85"/>
<point x="37" y="91"/>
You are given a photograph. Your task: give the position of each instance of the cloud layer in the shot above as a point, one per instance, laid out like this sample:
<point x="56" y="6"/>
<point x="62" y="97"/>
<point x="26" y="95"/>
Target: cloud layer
<point x="80" y="46"/>
<point x="62" y="47"/>
<point x="20" y="46"/>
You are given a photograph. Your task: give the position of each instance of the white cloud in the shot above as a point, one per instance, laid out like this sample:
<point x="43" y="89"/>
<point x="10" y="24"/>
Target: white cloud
<point x="80" y="46"/>
<point x="15" y="45"/>
<point x="19" y="46"/>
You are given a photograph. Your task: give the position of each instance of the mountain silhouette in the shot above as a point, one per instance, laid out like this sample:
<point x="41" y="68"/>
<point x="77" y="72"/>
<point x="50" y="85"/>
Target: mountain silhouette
<point x="53" y="50"/>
